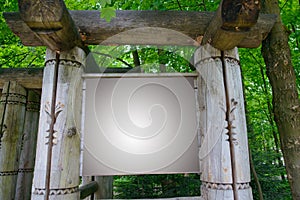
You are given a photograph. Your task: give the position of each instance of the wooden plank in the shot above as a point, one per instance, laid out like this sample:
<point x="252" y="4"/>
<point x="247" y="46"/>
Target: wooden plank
<point x="231" y="23"/>
<point x="12" y="113"/>
<point x="27" y="77"/>
<point x="28" y="147"/>
<point x="51" y="23"/>
<point x="32" y="78"/>
<point x="176" y="28"/>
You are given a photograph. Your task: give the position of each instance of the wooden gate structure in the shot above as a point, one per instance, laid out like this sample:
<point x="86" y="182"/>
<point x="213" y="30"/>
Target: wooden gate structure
<point x="224" y="167"/>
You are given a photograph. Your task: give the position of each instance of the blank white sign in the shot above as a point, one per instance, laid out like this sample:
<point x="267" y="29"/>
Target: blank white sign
<point x="140" y="126"/>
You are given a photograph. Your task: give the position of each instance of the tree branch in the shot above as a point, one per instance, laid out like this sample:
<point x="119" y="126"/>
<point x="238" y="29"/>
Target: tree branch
<point x="109" y="56"/>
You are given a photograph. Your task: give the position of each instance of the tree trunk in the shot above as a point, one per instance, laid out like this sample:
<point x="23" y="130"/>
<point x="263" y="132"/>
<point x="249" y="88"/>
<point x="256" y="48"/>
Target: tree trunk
<point x="277" y="56"/>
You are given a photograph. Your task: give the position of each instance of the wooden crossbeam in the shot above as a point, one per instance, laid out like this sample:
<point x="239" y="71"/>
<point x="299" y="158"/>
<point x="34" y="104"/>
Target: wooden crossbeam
<point x="50" y="23"/>
<point x="231" y="23"/>
<point x="32" y="78"/>
<point x="142" y="28"/>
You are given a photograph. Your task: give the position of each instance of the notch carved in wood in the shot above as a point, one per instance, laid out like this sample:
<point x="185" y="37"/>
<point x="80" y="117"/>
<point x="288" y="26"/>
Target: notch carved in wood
<point x="58" y="109"/>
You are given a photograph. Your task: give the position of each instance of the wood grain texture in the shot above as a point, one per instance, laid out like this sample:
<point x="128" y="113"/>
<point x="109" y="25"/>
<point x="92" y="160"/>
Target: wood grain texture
<point x="215" y="158"/>
<point x="31" y="78"/>
<point x="51" y="22"/>
<point x="231" y="23"/>
<point x="88" y="189"/>
<point x="28" y="147"/>
<point x="64" y="178"/>
<point x="105" y="190"/>
<point x="147" y="27"/>
<point x="12" y="113"/>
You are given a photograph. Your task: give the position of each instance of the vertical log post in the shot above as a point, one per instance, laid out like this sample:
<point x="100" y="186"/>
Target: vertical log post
<point x="224" y="161"/>
<point x="64" y="177"/>
<point x="12" y="113"/>
<point x="105" y="190"/>
<point x="28" y="147"/>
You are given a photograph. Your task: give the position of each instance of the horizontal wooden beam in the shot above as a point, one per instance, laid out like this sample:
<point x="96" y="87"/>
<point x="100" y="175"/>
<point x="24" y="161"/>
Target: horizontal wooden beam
<point x="32" y="78"/>
<point x="51" y="23"/>
<point x="143" y="28"/>
<point x="88" y="189"/>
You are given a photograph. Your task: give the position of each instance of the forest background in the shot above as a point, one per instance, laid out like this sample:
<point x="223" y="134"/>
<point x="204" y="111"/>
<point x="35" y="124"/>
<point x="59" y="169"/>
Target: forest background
<point x="266" y="155"/>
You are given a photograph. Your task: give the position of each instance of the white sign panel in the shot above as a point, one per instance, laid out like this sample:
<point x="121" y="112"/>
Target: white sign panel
<point x="140" y="126"/>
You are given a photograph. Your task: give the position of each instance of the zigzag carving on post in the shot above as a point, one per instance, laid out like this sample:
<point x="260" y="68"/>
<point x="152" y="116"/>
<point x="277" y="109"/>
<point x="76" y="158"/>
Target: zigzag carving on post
<point x="220" y="186"/>
<point x="233" y="105"/>
<point x="33" y="106"/>
<point x="8" y="173"/>
<point x="64" y="62"/>
<point x="60" y="191"/>
<point x="9" y="98"/>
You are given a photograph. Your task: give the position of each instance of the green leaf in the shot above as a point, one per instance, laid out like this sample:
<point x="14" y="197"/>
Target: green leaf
<point x="104" y="2"/>
<point x="108" y="13"/>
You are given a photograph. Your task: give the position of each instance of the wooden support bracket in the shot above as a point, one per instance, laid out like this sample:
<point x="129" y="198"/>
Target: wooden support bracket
<point x="51" y="23"/>
<point x="231" y="24"/>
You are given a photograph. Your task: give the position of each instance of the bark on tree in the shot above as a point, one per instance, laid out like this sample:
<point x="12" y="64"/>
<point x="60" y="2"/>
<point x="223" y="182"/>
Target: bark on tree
<point x="277" y="56"/>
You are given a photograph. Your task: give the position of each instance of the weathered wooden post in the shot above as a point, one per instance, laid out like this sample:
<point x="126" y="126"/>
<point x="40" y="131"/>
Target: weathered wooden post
<point x="64" y="170"/>
<point x="12" y="113"/>
<point x="28" y="147"/>
<point x="105" y="190"/>
<point x="224" y="161"/>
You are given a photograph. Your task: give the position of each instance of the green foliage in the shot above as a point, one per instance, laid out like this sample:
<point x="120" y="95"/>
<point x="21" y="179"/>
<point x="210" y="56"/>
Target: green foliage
<point x="108" y="13"/>
<point x="12" y="52"/>
<point x="107" y="10"/>
<point x="156" y="186"/>
<point x="173" y="58"/>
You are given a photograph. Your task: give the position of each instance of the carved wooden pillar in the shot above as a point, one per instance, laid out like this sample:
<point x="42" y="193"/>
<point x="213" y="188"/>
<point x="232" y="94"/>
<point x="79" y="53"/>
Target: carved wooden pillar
<point x="224" y="161"/>
<point x="64" y="177"/>
<point x="12" y="113"/>
<point x="28" y="147"/>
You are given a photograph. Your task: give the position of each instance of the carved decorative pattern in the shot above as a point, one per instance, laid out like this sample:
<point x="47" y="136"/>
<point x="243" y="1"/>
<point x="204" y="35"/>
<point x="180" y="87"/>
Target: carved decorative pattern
<point x="33" y="106"/>
<point x="58" y="109"/>
<point x="208" y="60"/>
<point x="29" y="170"/>
<point x="60" y="191"/>
<point x="15" y="99"/>
<point x="22" y="141"/>
<point x="233" y="105"/>
<point x="231" y="61"/>
<point x="219" y="186"/>
<point x="64" y="62"/>
<point x="8" y="173"/>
